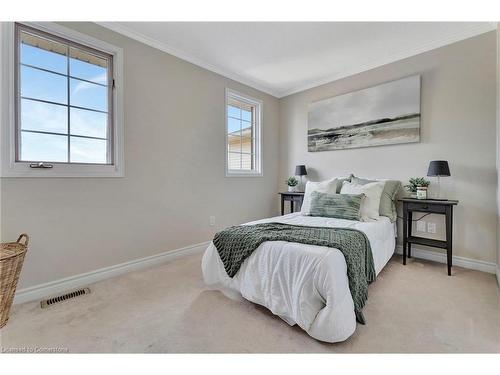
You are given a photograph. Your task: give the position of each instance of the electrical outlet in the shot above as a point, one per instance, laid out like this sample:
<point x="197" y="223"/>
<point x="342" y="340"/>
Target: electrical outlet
<point x="421" y="226"/>
<point x="431" y="227"/>
<point x="212" y="221"/>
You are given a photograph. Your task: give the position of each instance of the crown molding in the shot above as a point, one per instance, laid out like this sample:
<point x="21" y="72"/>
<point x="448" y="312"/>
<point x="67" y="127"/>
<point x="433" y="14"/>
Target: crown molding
<point x="128" y="32"/>
<point x="465" y="33"/>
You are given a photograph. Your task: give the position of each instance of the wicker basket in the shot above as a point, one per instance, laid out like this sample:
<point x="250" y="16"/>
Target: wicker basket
<point x="11" y="261"/>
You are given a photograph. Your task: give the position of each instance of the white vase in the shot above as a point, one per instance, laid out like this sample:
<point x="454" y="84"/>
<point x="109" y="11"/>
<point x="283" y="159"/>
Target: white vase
<point x="292" y="189"/>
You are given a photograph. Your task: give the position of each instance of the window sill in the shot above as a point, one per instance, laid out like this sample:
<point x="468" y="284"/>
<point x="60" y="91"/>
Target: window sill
<point x="244" y="174"/>
<point x="62" y="170"/>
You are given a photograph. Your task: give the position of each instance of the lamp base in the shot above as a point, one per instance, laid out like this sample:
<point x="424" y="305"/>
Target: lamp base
<point x="437" y="198"/>
<point x="302" y="187"/>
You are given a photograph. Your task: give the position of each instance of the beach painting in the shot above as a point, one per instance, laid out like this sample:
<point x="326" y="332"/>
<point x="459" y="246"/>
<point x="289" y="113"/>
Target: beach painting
<point x="381" y="115"/>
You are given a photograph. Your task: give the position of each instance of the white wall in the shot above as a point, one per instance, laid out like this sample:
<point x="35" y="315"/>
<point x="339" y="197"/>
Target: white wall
<point x="174" y="175"/>
<point x="458" y="125"/>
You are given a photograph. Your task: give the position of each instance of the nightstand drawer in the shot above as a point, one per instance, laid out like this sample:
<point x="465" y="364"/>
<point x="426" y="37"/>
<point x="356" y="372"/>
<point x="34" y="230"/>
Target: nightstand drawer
<point x="295" y="198"/>
<point x="427" y="207"/>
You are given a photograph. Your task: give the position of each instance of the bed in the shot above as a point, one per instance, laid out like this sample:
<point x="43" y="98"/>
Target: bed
<point x="303" y="284"/>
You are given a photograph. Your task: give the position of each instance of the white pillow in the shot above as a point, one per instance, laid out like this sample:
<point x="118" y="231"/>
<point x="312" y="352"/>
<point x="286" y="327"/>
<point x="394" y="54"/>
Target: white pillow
<point x="371" y="202"/>
<point x="328" y="186"/>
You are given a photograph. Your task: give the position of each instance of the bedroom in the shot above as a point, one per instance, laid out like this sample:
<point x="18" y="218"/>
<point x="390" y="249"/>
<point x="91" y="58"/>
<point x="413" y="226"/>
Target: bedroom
<point x="133" y="152"/>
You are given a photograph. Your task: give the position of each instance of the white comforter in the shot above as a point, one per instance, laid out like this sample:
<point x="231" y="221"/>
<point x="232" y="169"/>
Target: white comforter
<point x="303" y="284"/>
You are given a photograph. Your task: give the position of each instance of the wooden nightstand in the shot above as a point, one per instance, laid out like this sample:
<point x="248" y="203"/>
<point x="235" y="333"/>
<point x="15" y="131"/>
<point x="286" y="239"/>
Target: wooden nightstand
<point x="292" y="197"/>
<point x="442" y="207"/>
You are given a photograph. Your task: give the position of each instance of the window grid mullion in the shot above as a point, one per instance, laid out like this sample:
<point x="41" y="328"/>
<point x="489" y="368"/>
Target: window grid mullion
<point x="252" y="136"/>
<point x="61" y="134"/>
<point x="241" y="143"/>
<point x="63" y="105"/>
<point x="236" y="152"/>
<point x="69" y="104"/>
<point x="62" y="74"/>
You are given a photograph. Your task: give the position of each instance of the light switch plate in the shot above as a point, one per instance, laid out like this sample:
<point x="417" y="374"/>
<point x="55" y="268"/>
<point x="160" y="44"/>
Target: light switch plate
<point x="421" y="226"/>
<point x="431" y="227"/>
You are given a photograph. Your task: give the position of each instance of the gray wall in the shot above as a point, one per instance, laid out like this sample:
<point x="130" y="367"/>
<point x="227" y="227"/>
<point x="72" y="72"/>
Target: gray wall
<point x="498" y="152"/>
<point x="458" y="124"/>
<point x="174" y="160"/>
<point x="174" y="175"/>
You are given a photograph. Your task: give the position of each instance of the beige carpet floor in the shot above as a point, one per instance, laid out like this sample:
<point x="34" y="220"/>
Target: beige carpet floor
<point x="413" y="308"/>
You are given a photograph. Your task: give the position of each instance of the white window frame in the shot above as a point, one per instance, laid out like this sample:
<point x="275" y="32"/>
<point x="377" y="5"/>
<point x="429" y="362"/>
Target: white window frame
<point x="257" y="171"/>
<point x="10" y="167"/>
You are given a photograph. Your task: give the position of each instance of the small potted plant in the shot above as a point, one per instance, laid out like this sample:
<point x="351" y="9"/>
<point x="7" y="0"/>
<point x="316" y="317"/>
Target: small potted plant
<point x="292" y="183"/>
<point x="418" y="187"/>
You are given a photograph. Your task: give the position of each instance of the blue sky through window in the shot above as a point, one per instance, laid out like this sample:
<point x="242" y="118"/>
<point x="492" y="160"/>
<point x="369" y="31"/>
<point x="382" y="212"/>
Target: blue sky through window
<point x="38" y="84"/>
<point x="238" y="119"/>
<point x="89" y="92"/>
<point x="88" y="95"/>
<point x="43" y="117"/>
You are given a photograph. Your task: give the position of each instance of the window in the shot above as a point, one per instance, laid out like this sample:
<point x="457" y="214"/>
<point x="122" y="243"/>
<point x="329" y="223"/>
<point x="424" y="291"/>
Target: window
<point x="65" y="115"/>
<point x="243" y="135"/>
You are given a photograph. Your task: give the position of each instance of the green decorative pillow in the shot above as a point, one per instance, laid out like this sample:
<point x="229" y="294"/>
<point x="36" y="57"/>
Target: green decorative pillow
<point x="388" y="199"/>
<point x="340" y="206"/>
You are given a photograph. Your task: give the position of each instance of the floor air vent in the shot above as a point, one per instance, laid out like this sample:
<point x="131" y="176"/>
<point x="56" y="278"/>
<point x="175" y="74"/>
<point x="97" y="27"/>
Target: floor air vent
<point x="51" y="301"/>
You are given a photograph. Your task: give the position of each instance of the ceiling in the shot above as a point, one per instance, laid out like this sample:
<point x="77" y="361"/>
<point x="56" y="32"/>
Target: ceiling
<point x="282" y="58"/>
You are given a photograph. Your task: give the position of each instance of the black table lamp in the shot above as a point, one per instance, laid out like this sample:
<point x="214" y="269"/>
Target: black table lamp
<point x="300" y="170"/>
<point x="439" y="168"/>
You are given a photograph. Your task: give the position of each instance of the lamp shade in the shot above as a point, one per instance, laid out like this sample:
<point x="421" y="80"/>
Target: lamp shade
<point x="438" y="168"/>
<point x="300" y="170"/>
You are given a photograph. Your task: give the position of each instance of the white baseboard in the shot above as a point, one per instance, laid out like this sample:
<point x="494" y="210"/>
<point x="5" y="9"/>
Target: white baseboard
<point x="473" y="264"/>
<point x="38" y="292"/>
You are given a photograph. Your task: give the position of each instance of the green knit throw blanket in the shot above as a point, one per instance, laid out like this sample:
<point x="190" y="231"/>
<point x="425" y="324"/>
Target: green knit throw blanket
<point x="235" y="244"/>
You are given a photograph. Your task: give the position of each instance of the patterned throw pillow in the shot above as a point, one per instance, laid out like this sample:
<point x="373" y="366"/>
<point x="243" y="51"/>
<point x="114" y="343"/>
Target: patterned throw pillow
<point x="340" y="206"/>
<point x="328" y="186"/>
